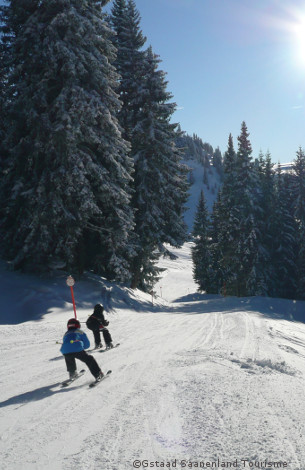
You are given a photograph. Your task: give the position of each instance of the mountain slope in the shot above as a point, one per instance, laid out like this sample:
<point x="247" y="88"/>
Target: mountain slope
<point x="197" y="380"/>
<point x="197" y="185"/>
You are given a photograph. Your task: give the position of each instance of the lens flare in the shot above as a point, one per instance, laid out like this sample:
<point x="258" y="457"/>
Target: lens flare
<point x="285" y="25"/>
<point x="299" y="34"/>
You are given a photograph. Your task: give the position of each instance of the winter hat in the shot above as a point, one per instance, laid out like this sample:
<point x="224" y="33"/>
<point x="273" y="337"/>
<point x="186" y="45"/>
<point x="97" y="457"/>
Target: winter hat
<point x="98" y="308"/>
<point x="73" y="323"/>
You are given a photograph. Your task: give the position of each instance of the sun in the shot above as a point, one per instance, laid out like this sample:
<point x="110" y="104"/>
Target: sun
<point x="286" y="25"/>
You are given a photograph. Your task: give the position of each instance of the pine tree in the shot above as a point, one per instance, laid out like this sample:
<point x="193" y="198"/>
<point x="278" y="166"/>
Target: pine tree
<point x="2" y="112"/>
<point x="229" y="181"/>
<point x="299" y="213"/>
<point x="200" y="251"/>
<point x="267" y="226"/>
<point x="68" y="178"/>
<point x="13" y="17"/>
<point x="224" y="219"/>
<point x="285" y="241"/>
<point x="217" y="274"/>
<point x="240" y="243"/>
<point x="129" y="41"/>
<point x="229" y="161"/>
<point x="159" y="179"/>
<point x="248" y="277"/>
<point x="217" y="161"/>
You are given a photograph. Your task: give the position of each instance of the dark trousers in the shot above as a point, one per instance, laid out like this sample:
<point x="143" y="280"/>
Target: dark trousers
<point x="84" y="357"/>
<point x="97" y="336"/>
<point x="106" y="335"/>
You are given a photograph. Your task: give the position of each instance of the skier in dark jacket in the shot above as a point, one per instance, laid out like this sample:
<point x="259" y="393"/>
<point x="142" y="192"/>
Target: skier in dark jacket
<point x="75" y="341"/>
<point x="97" y="323"/>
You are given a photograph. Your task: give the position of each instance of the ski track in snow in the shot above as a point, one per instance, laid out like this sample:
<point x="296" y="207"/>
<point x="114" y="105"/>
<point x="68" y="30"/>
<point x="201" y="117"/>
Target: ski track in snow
<point x="201" y="379"/>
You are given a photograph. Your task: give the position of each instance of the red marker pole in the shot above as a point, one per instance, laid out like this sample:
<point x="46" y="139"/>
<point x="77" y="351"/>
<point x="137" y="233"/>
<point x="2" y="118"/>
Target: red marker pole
<point x="70" y="282"/>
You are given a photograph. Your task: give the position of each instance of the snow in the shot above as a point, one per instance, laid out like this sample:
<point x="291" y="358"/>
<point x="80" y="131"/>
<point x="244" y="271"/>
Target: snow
<point x="199" y="381"/>
<point x="210" y="191"/>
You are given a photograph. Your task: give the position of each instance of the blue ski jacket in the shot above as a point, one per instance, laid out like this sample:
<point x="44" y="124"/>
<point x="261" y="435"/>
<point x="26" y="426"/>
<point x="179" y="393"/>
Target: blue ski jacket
<point x="74" y="341"/>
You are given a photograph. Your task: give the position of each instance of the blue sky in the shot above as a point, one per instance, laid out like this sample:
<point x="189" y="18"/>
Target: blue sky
<point x="234" y="60"/>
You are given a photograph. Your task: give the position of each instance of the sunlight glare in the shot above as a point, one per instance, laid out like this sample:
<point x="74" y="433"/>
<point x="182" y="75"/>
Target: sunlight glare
<point x="300" y="42"/>
<point x="288" y="26"/>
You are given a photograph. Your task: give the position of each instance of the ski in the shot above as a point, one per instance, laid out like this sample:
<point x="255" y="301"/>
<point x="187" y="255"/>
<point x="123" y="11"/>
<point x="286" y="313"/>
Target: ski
<point x="93" y="384"/>
<point x="93" y="350"/>
<point x="109" y="349"/>
<point x="69" y="381"/>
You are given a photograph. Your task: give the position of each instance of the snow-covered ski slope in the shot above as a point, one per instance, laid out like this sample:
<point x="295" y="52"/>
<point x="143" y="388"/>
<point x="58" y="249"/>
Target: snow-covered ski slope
<point x="210" y="190"/>
<point x="198" y="381"/>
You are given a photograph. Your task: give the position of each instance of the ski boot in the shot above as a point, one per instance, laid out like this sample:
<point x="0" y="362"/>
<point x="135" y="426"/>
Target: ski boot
<point x="73" y="375"/>
<point x="99" y="377"/>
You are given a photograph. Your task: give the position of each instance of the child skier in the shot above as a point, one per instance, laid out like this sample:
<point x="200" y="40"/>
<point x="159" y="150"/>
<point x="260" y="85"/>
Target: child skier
<point x="75" y="341"/>
<point x="97" y="323"/>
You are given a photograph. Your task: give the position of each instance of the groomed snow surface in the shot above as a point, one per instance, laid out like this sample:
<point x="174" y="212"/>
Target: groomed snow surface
<point x="198" y="381"/>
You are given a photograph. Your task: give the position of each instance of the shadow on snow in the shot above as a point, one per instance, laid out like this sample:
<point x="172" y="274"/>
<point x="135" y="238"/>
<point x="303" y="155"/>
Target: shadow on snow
<point x="36" y="395"/>
<point x="196" y="303"/>
<point x="26" y="297"/>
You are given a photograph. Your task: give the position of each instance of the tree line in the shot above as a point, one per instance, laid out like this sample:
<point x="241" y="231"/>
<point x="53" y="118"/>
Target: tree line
<point x="90" y="176"/>
<point x="254" y="241"/>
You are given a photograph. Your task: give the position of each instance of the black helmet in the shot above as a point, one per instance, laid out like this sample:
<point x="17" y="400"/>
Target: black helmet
<point x="73" y="323"/>
<point x="98" y="308"/>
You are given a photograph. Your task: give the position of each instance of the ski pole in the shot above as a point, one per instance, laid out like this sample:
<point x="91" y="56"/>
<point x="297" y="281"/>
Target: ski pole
<point x="70" y="282"/>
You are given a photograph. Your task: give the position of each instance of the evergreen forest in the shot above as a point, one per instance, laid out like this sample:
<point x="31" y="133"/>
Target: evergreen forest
<point x="253" y="243"/>
<point x="91" y="165"/>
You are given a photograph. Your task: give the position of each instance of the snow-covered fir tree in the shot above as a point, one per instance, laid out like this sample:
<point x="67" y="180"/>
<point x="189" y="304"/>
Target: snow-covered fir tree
<point x="266" y="223"/>
<point x="13" y="16"/>
<point x="299" y="213"/>
<point x="224" y="234"/>
<point x="2" y="109"/>
<point x="201" y="251"/>
<point x="160" y="180"/>
<point x="247" y="215"/>
<point x="216" y="233"/>
<point x="239" y="231"/>
<point x="67" y="181"/>
<point x="129" y="41"/>
<point x="217" y="161"/>
<point x="201" y="217"/>
<point x="229" y="161"/>
<point x="218" y="242"/>
<point x="285" y="240"/>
